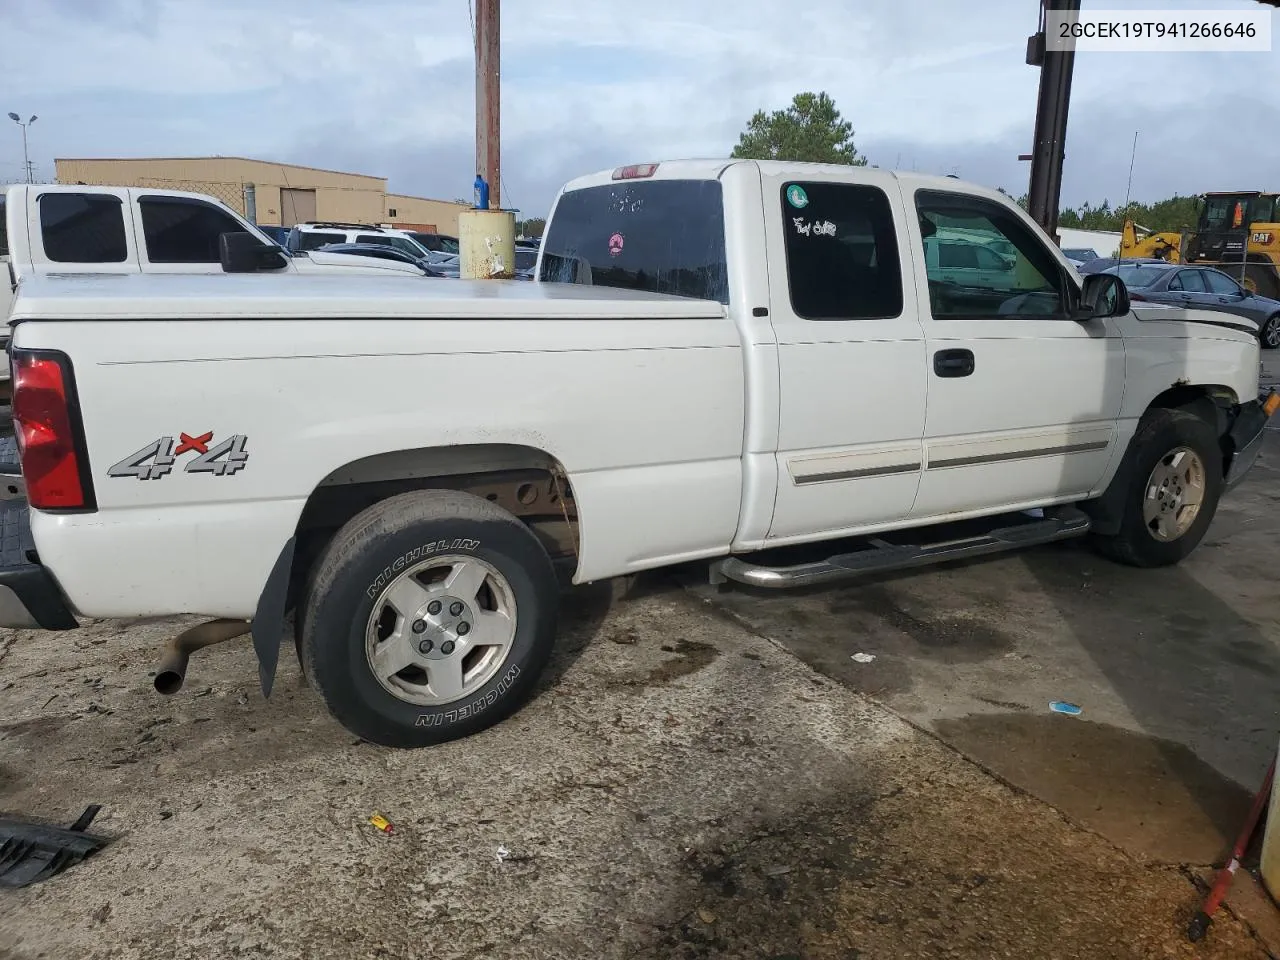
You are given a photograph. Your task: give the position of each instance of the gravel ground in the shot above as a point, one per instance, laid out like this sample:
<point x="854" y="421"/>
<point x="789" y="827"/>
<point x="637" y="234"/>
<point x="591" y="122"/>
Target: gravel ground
<point x="682" y="788"/>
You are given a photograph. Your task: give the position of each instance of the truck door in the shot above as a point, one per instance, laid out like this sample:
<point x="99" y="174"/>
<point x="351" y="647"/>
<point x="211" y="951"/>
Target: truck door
<point x="851" y="367"/>
<point x="1022" y="400"/>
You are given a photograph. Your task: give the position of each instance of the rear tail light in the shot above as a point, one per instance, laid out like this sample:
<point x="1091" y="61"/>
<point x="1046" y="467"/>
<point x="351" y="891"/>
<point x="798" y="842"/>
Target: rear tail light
<point x="46" y="421"/>
<point x="635" y="171"/>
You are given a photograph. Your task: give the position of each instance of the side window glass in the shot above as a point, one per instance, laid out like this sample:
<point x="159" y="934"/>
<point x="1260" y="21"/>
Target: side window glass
<point x="183" y="231"/>
<point x="842" y="251"/>
<point x="989" y="263"/>
<point x="1188" y="281"/>
<point x="4" y="235"/>
<point x="83" y="228"/>
<point x="314" y="240"/>
<point x="1221" y="284"/>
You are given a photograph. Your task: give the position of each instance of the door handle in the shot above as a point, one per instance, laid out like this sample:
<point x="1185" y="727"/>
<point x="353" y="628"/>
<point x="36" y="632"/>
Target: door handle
<point x="953" y="363"/>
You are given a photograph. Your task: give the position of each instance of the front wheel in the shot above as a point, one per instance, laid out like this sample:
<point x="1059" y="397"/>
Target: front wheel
<point x="429" y="618"/>
<point x="1173" y="492"/>
<point x="1270" y="332"/>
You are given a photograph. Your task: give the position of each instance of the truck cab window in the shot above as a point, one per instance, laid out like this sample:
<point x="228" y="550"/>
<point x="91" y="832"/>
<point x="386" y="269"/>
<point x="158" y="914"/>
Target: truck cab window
<point x="842" y="251"/>
<point x="83" y="228"/>
<point x="660" y="236"/>
<point x="983" y="261"/>
<point x="183" y="231"/>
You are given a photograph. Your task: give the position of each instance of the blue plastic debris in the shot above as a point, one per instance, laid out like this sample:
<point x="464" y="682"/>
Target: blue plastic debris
<point x="1061" y="706"/>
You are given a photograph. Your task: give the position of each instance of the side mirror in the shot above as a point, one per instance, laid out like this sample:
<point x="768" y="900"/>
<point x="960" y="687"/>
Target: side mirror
<point x="242" y="252"/>
<point x="1103" y="295"/>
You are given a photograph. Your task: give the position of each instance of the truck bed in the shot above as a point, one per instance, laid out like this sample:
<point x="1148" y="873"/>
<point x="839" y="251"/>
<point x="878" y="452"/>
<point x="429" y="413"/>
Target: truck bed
<point x="240" y="296"/>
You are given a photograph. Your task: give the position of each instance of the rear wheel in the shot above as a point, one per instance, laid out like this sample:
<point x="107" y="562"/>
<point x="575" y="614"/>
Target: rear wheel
<point x="1173" y="491"/>
<point x="429" y="618"/>
<point x="1269" y="335"/>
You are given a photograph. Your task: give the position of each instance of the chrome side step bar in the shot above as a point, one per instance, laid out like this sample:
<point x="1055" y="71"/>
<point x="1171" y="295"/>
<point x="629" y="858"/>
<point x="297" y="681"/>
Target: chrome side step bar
<point x="881" y="557"/>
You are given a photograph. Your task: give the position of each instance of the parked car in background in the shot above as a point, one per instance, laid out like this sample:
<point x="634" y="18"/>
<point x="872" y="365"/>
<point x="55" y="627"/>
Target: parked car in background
<point x="125" y="230"/>
<point x="526" y="262"/>
<point x="436" y="242"/>
<point x="449" y="264"/>
<point x="1102" y="263"/>
<point x="279" y="234"/>
<point x="314" y="235"/>
<point x="1203" y="288"/>
<point x="967" y="263"/>
<point x="1079" y="255"/>
<point x="383" y="252"/>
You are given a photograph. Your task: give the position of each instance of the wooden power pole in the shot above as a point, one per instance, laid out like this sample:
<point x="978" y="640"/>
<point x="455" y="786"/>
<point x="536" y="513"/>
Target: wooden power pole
<point x="488" y="100"/>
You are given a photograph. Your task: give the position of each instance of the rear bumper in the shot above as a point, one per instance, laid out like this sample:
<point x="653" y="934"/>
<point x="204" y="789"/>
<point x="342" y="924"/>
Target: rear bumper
<point x="29" y="596"/>
<point x="1247" y="434"/>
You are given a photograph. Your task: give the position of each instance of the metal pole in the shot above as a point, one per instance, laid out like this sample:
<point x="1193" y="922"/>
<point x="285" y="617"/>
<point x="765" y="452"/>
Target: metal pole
<point x="26" y="158"/>
<point x="1052" y="105"/>
<point x="488" y="99"/>
<point x="1128" y="190"/>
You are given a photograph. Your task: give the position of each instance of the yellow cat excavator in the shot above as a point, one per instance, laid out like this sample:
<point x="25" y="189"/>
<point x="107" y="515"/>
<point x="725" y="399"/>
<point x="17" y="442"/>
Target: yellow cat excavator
<point x="1238" y="232"/>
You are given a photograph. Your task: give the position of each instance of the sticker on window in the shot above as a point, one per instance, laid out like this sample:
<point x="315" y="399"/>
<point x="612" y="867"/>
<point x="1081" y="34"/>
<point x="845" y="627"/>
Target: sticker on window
<point x="797" y="197"/>
<point x="818" y="228"/>
<point x="616" y="243"/>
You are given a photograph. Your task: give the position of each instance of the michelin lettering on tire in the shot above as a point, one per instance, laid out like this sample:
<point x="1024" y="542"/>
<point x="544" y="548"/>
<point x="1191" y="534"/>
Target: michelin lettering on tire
<point x="417" y="553"/>
<point x="474" y="707"/>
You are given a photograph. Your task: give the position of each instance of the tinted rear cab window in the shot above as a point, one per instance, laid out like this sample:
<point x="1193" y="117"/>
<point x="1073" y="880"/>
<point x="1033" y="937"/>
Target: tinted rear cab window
<point x="4" y="232"/>
<point x="659" y="236"/>
<point x="83" y="228"/>
<point x="842" y="251"/>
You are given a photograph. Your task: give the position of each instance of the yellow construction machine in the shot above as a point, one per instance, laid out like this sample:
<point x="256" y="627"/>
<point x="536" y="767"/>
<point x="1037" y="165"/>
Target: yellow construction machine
<point x="1239" y="233"/>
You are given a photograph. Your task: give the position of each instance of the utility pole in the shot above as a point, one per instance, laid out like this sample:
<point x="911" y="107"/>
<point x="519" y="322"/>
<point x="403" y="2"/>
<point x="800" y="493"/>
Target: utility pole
<point x="486" y="234"/>
<point x="1054" y="100"/>
<point x="488" y="99"/>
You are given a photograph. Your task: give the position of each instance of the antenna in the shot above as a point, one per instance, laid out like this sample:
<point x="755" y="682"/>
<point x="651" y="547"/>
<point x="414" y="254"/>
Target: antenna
<point x="1128" y="190"/>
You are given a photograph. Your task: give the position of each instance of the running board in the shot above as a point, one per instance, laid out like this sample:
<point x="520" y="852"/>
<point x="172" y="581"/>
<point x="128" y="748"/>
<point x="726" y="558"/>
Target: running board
<point x="883" y="557"/>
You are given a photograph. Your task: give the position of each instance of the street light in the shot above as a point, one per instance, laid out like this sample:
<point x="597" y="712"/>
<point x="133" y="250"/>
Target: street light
<point x="26" y="159"/>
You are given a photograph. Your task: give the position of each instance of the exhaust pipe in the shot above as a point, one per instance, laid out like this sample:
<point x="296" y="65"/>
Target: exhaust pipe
<point x="172" y="670"/>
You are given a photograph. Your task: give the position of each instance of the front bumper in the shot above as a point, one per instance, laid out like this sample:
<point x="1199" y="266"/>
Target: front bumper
<point x="1247" y="433"/>
<point x="29" y="596"/>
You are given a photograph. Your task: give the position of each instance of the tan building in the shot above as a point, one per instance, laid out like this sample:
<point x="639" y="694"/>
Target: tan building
<point x="273" y="193"/>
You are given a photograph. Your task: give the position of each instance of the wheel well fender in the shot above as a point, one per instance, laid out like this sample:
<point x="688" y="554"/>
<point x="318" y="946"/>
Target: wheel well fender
<point x="528" y="482"/>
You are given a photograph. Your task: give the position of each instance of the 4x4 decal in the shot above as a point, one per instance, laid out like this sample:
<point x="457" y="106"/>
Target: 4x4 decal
<point x="157" y="459"/>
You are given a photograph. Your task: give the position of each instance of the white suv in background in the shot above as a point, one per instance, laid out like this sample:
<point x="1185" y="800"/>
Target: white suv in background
<point x="317" y="234"/>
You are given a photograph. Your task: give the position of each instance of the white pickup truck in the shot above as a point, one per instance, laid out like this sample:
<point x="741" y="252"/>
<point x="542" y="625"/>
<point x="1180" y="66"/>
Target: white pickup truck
<point x="64" y="229"/>
<point x="719" y="358"/>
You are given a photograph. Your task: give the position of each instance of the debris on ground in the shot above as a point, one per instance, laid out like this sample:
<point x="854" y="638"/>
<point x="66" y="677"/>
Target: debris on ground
<point x="31" y="852"/>
<point x="863" y="657"/>
<point x="378" y="821"/>
<point x="1062" y="706"/>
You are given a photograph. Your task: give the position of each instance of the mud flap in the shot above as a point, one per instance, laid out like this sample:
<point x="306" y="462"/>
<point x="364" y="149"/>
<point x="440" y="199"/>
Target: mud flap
<point x="31" y="852"/>
<point x="268" y="619"/>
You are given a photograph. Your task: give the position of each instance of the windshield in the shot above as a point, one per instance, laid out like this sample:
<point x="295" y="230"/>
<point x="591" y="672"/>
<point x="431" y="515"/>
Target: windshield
<point x="1224" y="213"/>
<point x="660" y="236"/>
<point x="436" y="243"/>
<point x="1080" y="253"/>
<point x="1138" y="276"/>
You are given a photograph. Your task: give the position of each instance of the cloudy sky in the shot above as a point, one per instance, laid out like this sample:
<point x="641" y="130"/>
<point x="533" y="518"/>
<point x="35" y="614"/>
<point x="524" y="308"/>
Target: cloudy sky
<point x="386" y="87"/>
